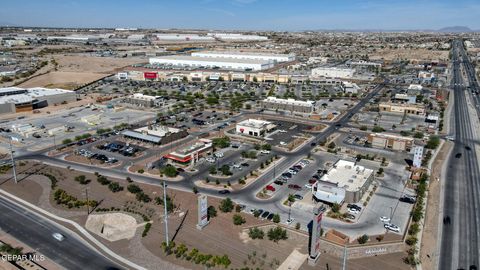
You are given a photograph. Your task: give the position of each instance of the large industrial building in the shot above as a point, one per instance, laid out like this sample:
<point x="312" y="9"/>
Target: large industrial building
<point x="236" y="36"/>
<point x="333" y="72"/>
<point x="184" y="37"/>
<point x="214" y="62"/>
<point x="390" y="141"/>
<point x="15" y="99"/>
<point x="347" y="175"/>
<point x="254" y="127"/>
<point x="247" y="56"/>
<point x="290" y="105"/>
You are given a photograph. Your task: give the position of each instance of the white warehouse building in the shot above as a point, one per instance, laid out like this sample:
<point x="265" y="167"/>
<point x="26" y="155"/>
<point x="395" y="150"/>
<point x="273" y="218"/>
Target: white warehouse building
<point x="236" y="36"/>
<point x="247" y="55"/>
<point x="332" y="72"/>
<point x="218" y="62"/>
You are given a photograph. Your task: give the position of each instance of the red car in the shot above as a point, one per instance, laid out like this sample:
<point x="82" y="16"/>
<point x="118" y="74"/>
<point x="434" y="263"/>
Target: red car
<point x="312" y="181"/>
<point x="270" y="187"/>
<point x="293" y="186"/>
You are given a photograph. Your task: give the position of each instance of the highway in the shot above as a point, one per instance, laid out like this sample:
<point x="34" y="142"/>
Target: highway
<point x="461" y="226"/>
<point x="36" y="232"/>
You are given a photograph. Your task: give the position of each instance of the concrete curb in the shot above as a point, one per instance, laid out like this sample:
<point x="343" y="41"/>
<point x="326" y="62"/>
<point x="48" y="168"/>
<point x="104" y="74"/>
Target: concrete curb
<point x="22" y="203"/>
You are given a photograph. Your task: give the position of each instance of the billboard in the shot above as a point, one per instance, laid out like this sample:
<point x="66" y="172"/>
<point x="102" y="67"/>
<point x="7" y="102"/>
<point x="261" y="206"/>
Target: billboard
<point x="150" y="75"/>
<point x="202" y="211"/>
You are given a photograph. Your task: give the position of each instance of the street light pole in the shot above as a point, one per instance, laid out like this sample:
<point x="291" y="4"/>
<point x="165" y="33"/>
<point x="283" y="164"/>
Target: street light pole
<point x="166" y="213"/>
<point x="13" y="161"/>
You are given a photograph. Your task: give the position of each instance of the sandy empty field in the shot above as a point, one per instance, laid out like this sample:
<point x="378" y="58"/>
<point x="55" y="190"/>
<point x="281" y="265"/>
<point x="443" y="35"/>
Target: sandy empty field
<point x="77" y="70"/>
<point x="85" y="63"/>
<point x="64" y="80"/>
<point x="420" y="54"/>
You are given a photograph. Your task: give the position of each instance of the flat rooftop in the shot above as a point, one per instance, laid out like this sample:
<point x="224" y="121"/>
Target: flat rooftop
<point x="29" y="95"/>
<point x="289" y="101"/>
<point x="347" y="175"/>
<point x="212" y="59"/>
<point x="158" y="131"/>
<point x="254" y="123"/>
<point x="243" y="53"/>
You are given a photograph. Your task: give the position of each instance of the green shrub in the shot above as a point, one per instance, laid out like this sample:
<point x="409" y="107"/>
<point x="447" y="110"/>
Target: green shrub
<point x="256" y="233"/>
<point x="362" y="239"/>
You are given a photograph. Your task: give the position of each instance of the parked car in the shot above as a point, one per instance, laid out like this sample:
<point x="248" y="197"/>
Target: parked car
<point x="384" y="219"/>
<point x="353" y="211"/>
<point x="392" y="227"/>
<point x="408" y="199"/>
<point x="270" y="217"/>
<point x="312" y="181"/>
<point x="308" y="186"/>
<point x="350" y="216"/>
<point x="270" y="187"/>
<point x="266" y="152"/>
<point x="354" y="206"/>
<point x="224" y="191"/>
<point x="294" y="186"/>
<point x="278" y="182"/>
<point x="298" y="196"/>
<point x="265" y="214"/>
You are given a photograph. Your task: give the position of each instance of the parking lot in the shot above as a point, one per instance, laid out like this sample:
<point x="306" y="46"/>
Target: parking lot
<point x="236" y="159"/>
<point x="286" y="132"/>
<point x="41" y="132"/>
<point x="387" y="120"/>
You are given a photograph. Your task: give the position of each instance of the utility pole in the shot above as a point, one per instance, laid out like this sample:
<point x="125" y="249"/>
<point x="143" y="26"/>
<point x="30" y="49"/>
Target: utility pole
<point x="88" y="205"/>
<point x="166" y="213"/>
<point x="13" y="161"/>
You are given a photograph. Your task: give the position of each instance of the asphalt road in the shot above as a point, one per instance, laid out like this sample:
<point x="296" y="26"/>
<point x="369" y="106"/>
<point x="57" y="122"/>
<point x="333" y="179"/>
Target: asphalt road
<point x="36" y="231"/>
<point x="461" y="226"/>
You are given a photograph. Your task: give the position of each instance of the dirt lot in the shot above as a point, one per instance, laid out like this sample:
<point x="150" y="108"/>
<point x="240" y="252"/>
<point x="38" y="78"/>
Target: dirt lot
<point x="75" y="70"/>
<point x="420" y="54"/>
<point x="220" y="237"/>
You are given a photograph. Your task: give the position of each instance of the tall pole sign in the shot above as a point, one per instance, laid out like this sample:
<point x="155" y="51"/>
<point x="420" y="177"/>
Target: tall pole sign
<point x="202" y="211"/>
<point x="315" y="236"/>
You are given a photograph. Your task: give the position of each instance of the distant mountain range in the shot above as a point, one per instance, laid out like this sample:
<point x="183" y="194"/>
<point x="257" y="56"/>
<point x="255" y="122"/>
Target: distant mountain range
<point x="448" y="29"/>
<point x="455" y="29"/>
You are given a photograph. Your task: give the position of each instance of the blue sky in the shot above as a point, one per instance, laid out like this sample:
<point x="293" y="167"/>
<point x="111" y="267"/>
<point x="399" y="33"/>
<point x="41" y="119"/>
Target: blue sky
<point x="244" y="14"/>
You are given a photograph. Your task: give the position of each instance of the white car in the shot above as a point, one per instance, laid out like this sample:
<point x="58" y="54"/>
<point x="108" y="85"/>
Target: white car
<point x="308" y="186"/>
<point x="385" y="219"/>
<point x="392" y="227"/>
<point x="58" y="236"/>
<point x="219" y="154"/>
<point x="283" y="143"/>
<point x="289" y="221"/>
<point x="211" y="160"/>
<point x="353" y="211"/>
<point x="266" y="152"/>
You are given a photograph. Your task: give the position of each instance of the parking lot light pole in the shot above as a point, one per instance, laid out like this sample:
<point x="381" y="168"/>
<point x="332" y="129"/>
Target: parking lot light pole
<point x="391" y="213"/>
<point x="166" y="213"/>
<point x="12" y="159"/>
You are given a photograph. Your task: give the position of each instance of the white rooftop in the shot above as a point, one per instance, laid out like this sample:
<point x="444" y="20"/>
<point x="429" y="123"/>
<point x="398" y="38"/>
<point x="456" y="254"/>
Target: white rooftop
<point x="31" y="94"/>
<point x="159" y="131"/>
<point x="211" y="59"/>
<point x="347" y="175"/>
<point x="254" y="123"/>
<point x="243" y="53"/>
<point x="289" y="101"/>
